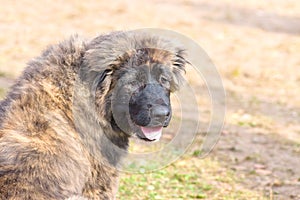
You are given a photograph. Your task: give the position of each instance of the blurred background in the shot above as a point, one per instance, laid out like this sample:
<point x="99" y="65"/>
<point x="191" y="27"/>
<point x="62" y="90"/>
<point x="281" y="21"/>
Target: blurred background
<point x="254" y="44"/>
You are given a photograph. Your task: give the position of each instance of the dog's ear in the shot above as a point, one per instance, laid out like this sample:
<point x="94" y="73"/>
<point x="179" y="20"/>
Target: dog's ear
<point x="91" y="78"/>
<point x="179" y="63"/>
<point x="103" y="74"/>
<point x="99" y="77"/>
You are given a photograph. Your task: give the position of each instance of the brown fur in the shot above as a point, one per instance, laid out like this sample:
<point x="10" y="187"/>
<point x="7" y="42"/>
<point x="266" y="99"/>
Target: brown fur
<point x="42" y="154"/>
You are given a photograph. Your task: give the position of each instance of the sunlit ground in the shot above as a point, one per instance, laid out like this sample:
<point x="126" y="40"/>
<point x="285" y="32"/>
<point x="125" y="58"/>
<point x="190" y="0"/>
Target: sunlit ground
<point x="255" y="46"/>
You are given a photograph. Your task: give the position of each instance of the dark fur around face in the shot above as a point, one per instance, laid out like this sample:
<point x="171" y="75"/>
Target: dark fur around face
<point x="60" y="119"/>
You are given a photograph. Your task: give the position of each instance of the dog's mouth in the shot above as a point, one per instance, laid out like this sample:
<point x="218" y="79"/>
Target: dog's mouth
<point x="150" y="134"/>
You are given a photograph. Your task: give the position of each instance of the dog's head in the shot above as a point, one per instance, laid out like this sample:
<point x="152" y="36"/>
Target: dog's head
<point x="133" y="85"/>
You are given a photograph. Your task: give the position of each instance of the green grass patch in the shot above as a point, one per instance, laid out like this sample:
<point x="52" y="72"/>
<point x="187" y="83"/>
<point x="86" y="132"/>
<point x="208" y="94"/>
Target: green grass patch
<point x="188" y="178"/>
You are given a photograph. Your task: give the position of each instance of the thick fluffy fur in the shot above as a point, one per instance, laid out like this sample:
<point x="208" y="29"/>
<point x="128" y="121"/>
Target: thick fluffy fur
<point x="42" y="154"/>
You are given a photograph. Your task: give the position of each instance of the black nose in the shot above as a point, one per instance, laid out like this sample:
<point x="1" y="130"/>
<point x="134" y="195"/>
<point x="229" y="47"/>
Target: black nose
<point x="160" y="112"/>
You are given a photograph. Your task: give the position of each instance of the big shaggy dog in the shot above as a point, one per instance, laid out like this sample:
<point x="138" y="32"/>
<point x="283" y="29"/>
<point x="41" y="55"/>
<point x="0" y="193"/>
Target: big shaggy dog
<point x="66" y="122"/>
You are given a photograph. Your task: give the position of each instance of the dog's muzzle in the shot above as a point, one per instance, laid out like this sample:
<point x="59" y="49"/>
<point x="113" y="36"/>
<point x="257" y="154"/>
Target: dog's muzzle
<point x="150" y="109"/>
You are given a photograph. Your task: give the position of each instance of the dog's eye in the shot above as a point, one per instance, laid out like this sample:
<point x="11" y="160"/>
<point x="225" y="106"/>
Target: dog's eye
<point x="164" y="81"/>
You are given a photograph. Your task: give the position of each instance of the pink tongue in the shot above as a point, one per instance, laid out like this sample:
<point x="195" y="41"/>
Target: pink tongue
<point x="152" y="133"/>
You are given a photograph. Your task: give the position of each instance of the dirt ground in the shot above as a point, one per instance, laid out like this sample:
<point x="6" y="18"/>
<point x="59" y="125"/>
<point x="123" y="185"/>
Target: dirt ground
<point x="254" y="44"/>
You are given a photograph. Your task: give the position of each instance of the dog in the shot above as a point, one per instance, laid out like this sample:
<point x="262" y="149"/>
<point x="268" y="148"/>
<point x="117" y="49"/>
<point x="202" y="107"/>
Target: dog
<point x="66" y="122"/>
